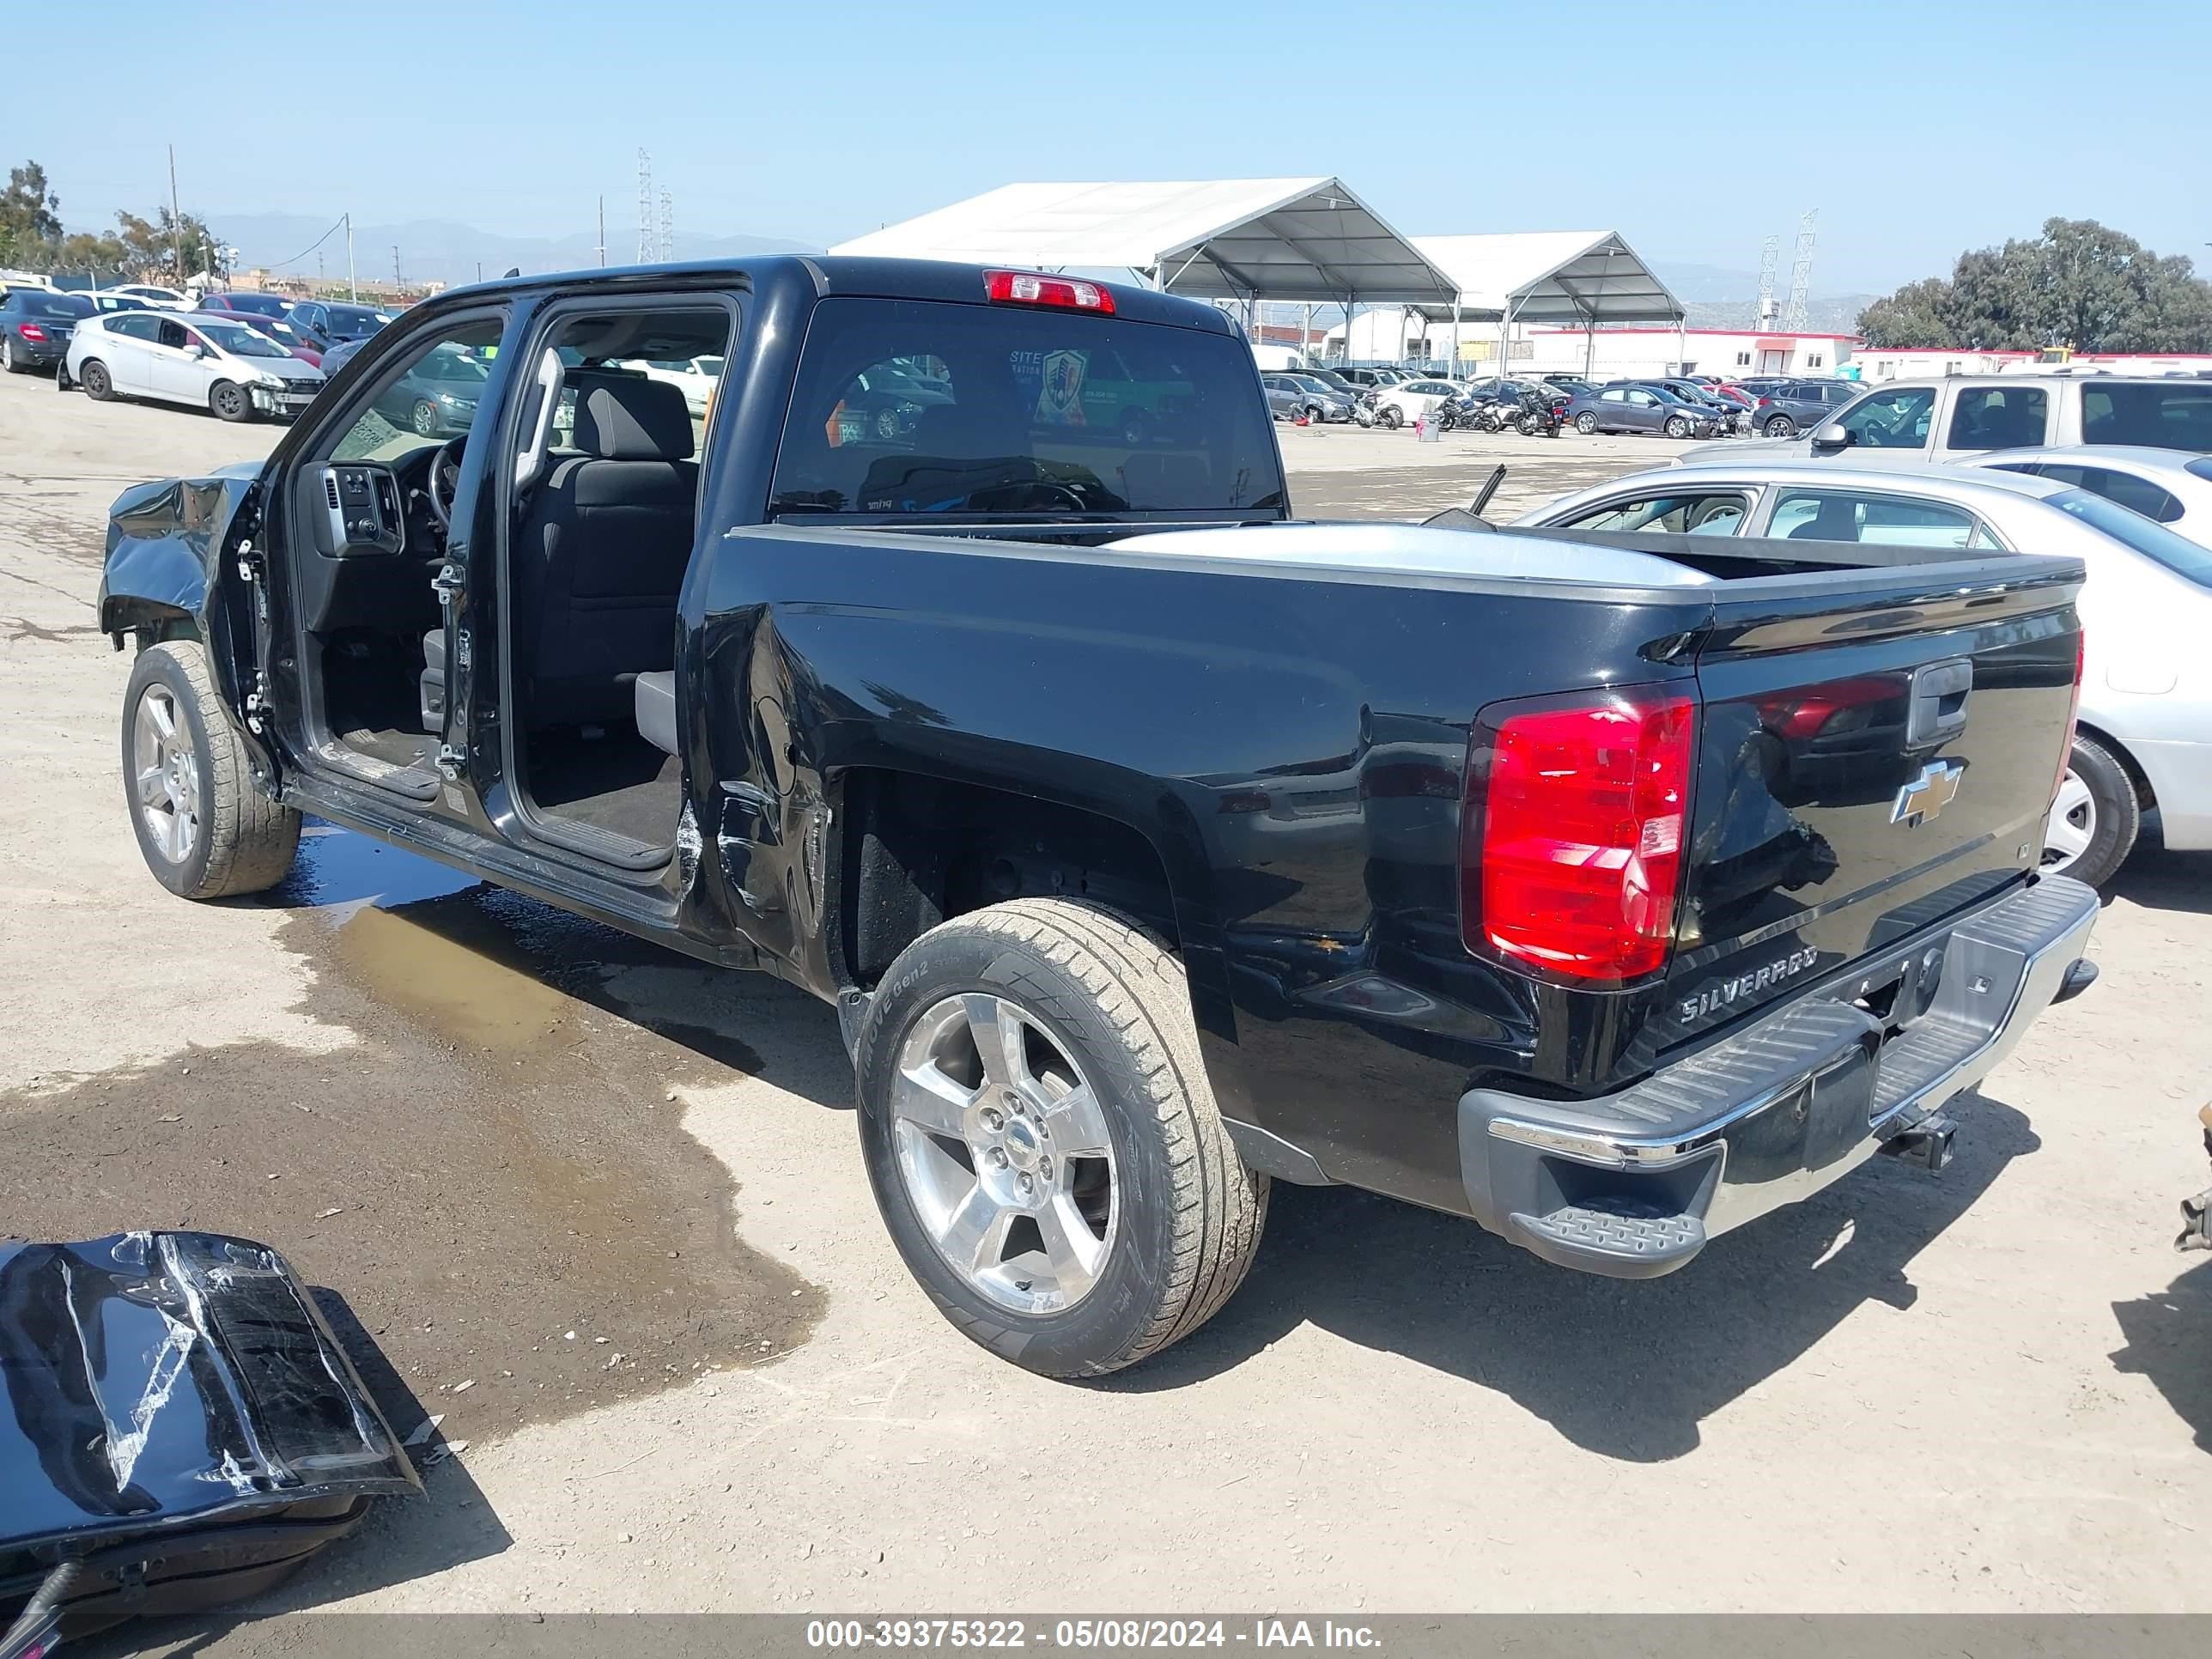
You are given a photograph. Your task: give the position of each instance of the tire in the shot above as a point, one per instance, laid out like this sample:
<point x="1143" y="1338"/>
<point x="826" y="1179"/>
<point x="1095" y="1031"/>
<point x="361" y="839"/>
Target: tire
<point x="9" y="363"/>
<point x="423" y="418"/>
<point x="1678" y="426"/>
<point x="2096" y="819"/>
<point x="230" y="402"/>
<point x="1096" y="996"/>
<point x="240" y="841"/>
<point x="1531" y="425"/>
<point x="1389" y="418"/>
<point x="98" y="385"/>
<point x="887" y="424"/>
<point x="1586" y="423"/>
<point x="1315" y="415"/>
<point x="1780" y="426"/>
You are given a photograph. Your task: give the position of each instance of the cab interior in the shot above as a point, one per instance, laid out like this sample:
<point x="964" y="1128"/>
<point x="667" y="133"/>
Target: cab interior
<point x="600" y="524"/>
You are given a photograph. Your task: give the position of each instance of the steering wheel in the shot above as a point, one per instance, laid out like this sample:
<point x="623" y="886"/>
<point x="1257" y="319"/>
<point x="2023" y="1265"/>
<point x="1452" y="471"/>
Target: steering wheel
<point x="1019" y="494"/>
<point x="444" y="480"/>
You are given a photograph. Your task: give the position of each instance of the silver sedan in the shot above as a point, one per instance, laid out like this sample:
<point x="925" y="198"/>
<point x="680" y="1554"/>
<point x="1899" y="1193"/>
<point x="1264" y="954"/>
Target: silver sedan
<point x="2145" y="734"/>
<point x="2171" y="487"/>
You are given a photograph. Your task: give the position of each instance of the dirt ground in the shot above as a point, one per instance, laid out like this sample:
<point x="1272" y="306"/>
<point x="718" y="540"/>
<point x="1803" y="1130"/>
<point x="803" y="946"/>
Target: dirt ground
<point x="483" y="1126"/>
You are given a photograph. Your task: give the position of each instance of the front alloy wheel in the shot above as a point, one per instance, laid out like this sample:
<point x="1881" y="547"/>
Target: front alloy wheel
<point x="1005" y="1153"/>
<point x="424" y="419"/>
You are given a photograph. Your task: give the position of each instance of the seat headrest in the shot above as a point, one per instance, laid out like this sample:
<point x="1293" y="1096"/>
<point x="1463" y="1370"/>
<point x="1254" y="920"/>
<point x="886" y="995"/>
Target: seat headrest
<point x="626" y="418"/>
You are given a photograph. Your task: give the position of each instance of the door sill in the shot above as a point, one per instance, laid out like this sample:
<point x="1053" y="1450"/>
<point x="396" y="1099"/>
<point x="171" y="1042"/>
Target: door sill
<point x="416" y="782"/>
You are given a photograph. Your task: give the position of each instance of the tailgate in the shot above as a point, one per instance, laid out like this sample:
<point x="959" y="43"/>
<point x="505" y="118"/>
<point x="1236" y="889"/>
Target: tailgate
<point x="1877" y="750"/>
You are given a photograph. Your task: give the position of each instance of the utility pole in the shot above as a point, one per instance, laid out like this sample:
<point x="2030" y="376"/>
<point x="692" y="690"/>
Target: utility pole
<point x="603" y="230"/>
<point x="398" y="281"/>
<point x="667" y="224"/>
<point x="176" y="217"/>
<point x="1770" y="255"/>
<point x="645" y="238"/>
<point x="353" y="287"/>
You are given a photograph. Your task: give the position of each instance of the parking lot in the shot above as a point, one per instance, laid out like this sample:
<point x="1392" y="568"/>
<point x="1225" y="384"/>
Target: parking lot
<point x="600" y="1209"/>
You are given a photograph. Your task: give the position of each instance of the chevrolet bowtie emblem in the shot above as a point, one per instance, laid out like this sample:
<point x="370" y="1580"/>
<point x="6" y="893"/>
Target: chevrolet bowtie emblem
<point x="1927" y="794"/>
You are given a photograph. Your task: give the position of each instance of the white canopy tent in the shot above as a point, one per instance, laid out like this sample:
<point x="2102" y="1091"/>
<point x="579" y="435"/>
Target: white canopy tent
<point x="1589" y="276"/>
<point x="1294" y="240"/>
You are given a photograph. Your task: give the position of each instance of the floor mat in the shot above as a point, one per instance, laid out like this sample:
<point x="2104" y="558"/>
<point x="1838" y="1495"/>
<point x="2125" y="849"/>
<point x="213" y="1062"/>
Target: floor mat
<point x="391" y="745"/>
<point x="618" y="782"/>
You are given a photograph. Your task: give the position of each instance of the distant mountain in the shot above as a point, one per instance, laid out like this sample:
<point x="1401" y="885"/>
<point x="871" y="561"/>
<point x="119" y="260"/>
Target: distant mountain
<point x="1693" y="284"/>
<point x="1834" y="313"/>
<point x="441" y="250"/>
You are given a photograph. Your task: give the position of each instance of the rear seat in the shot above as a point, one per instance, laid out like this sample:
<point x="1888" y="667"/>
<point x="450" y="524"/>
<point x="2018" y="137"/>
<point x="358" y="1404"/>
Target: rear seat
<point x="655" y="699"/>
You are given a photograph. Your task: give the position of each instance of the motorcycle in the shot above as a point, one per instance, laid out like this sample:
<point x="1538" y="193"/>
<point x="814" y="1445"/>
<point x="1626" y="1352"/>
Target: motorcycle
<point x="1540" y="416"/>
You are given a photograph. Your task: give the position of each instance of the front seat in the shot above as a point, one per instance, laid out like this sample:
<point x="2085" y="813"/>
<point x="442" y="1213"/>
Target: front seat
<point x="602" y="553"/>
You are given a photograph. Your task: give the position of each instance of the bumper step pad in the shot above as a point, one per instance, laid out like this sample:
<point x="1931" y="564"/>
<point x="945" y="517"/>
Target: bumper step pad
<point x="1634" y="1239"/>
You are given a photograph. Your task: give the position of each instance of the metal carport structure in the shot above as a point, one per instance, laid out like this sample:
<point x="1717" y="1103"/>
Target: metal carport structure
<point x="1586" y="277"/>
<point x="1309" y="239"/>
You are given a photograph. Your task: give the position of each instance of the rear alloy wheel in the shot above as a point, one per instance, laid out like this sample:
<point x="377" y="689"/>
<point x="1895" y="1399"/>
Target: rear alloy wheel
<point x="1678" y="426"/>
<point x="1586" y="423"/>
<point x="2096" y="819"/>
<point x="203" y="825"/>
<point x="97" y="384"/>
<point x="1042" y="1141"/>
<point x="230" y="402"/>
<point x="423" y="417"/>
<point x="1780" y="426"/>
<point x="9" y="362"/>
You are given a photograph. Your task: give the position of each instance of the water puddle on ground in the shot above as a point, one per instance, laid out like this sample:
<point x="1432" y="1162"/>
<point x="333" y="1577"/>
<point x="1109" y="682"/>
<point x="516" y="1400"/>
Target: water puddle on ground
<point x="494" y="1177"/>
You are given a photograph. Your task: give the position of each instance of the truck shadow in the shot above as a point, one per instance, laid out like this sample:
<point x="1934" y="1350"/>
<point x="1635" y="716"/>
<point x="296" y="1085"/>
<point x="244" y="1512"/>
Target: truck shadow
<point x="1626" y="1369"/>
<point x="2169" y="1340"/>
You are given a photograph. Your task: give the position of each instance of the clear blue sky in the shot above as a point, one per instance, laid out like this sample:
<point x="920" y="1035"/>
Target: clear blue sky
<point x="1951" y="124"/>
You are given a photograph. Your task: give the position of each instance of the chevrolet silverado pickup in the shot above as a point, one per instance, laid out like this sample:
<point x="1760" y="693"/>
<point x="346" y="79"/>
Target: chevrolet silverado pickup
<point x="1152" y="844"/>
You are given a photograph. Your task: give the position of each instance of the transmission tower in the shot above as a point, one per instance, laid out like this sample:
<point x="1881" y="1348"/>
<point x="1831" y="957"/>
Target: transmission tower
<point x="1770" y="255"/>
<point x="646" y="250"/>
<point x="1796" y="319"/>
<point x="667" y="224"/>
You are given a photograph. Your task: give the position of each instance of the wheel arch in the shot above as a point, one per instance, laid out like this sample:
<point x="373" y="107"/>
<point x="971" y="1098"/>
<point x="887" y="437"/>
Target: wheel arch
<point x="2116" y="747"/>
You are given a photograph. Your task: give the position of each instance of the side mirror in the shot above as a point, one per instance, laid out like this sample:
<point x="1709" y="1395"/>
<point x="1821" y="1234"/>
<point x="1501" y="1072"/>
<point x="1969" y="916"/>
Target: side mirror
<point x="196" y="351"/>
<point x="1831" y="436"/>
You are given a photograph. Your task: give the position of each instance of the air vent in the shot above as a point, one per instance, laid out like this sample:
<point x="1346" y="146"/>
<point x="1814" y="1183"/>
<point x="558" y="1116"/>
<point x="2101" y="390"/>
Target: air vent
<point x="330" y="489"/>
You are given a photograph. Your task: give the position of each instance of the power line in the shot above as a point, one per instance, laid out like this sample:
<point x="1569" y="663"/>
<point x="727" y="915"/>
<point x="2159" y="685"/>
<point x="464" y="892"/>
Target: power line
<point x="335" y="225"/>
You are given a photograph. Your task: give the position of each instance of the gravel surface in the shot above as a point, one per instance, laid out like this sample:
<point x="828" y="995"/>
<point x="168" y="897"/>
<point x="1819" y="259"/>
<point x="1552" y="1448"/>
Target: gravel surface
<point x="1982" y="1391"/>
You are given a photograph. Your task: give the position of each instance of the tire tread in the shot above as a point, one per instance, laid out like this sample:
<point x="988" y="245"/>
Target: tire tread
<point x="251" y="840"/>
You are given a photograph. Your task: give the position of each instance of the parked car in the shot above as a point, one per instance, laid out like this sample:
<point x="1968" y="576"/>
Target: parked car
<point x="1371" y="379"/>
<point x="265" y="305"/>
<point x="210" y="362"/>
<point x="1582" y="973"/>
<point x="1970" y="414"/>
<point x="694" y="377"/>
<point x="2168" y="486"/>
<point x="1784" y="409"/>
<point x="1287" y="400"/>
<point x="438" y="395"/>
<point x="278" y="329"/>
<point x="2145" y="733"/>
<point x="160" y="298"/>
<point x="1403" y="405"/>
<point x="1573" y="386"/>
<point x="1640" y="406"/>
<point x="36" y="326"/>
<point x="1324" y="402"/>
<point x="326" y="323"/>
<point x="102" y="299"/>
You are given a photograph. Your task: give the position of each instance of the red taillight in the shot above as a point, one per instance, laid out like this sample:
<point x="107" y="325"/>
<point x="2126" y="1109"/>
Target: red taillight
<point x="1024" y="288"/>
<point x="1571" y="832"/>
<point x="31" y="330"/>
<point x="1761" y="404"/>
<point x="2073" y="709"/>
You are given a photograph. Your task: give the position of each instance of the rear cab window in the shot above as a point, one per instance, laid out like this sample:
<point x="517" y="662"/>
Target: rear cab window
<point x="2156" y="413"/>
<point x="907" y="406"/>
<point x="1851" y="515"/>
<point x="1705" y="512"/>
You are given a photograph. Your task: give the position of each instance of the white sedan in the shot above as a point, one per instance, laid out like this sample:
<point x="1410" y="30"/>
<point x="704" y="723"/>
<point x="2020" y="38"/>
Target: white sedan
<point x="2171" y="487"/>
<point x="2145" y="733"/>
<point x="1402" y="406"/>
<point x="152" y="294"/>
<point x="694" y="377"/>
<point x="209" y="362"/>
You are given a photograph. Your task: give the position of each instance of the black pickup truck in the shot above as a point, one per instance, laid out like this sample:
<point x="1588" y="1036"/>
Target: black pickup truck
<point x="965" y="664"/>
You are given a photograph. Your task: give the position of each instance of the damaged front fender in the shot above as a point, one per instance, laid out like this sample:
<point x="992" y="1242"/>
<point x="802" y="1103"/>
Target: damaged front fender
<point x="163" y="541"/>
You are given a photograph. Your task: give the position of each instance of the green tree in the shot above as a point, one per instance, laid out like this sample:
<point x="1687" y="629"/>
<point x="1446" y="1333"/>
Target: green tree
<point x="149" y="246"/>
<point x="30" y="216"/>
<point x="2079" y="284"/>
